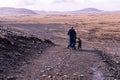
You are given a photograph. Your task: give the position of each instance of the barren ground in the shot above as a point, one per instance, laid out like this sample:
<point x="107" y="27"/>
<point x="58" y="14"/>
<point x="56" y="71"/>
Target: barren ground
<point x="60" y="63"/>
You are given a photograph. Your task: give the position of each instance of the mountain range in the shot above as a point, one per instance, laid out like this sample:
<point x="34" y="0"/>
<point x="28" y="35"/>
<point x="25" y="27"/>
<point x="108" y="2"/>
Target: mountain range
<point x="15" y="11"/>
<point x="8" y="11"/>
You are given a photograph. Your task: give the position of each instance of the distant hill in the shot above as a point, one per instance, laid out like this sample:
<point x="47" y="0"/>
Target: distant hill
<point x="88" y="10"/>
<point x="7" y="11"/>
<point x="91" y="9"/>
<point x="85" y="10"/>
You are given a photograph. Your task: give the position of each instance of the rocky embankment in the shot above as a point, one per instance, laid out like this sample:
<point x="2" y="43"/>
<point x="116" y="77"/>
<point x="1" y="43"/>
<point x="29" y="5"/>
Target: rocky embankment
<point x="16" y="47"/>
<point x="113" y="66"/>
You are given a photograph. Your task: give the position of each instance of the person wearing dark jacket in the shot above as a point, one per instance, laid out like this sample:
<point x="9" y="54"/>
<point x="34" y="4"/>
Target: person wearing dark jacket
<point x="72" y="37"/>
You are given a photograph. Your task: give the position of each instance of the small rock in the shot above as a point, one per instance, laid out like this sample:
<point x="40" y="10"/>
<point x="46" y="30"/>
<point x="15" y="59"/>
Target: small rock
<point x="104" y="60"/>
<point x="11" y="78"/>
<point x="42" y="71"/>
<point x="75" y="73"/>
<point x="44" y="75"/>
<point x="50" y="76"/>
<point x="57" y="73"/>
<point x="65" y="76"/>
<point x="117" y="62"/>
<point x="81" y="75"/>
<point x="54" y="76"/>
<point x="48" y="68"/>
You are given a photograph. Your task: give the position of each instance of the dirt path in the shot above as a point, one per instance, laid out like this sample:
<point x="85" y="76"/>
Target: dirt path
<point x="60" y="63"/>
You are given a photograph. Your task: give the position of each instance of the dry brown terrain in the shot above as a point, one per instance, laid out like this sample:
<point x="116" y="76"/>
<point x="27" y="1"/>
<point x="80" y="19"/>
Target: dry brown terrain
<point x="99" y="28"/>
<point x="99" y="32"/>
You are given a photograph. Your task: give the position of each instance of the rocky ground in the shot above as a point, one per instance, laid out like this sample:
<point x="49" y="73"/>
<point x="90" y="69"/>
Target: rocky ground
<point x="60" y="63"/>
<point x="28" y="57"/>
<point x="17" y="47"/>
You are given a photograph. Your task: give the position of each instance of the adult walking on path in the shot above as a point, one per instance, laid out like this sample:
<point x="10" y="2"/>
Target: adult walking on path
<point x="72" y="37"/>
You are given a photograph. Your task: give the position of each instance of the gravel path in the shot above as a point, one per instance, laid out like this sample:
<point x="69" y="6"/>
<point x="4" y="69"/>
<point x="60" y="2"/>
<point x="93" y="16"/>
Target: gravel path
<point x="60" y="63"/>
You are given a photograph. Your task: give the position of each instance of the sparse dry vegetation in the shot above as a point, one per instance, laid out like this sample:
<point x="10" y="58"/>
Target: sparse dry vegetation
<point x="99" y="31"/>
<point x="99" y="26"/>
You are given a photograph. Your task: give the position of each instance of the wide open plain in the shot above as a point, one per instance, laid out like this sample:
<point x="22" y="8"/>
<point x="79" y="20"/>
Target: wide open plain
<point x="97" y="31"/>
<point x="93" y="28"/>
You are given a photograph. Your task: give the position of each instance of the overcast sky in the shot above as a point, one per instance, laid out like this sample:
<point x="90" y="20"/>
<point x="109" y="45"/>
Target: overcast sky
<point x="62" y="5"/>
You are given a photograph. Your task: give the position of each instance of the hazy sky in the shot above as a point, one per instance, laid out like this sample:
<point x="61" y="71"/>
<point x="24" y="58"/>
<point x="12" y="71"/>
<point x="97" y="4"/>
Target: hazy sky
<point x="62" y="5"/>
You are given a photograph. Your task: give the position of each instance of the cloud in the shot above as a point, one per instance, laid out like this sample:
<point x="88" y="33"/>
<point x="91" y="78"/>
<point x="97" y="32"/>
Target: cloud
<point x="66" y="5"/>
<point x="6" y="3"/>
<point x="63" y="1"/>
<point x="25" y="2"/>
<point x="96" y="1"/>
<point x="60" y="5"/>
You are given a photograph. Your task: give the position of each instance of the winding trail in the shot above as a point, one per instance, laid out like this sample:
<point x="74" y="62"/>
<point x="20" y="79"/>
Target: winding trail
<point x="60" y="63"/>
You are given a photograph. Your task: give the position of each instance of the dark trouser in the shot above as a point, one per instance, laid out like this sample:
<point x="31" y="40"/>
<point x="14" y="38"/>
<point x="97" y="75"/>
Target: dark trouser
<point x="72" y="43"/>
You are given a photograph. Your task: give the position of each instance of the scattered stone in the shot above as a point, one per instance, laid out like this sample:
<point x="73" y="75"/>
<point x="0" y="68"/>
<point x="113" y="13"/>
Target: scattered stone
<point x="58" y="74"/>
<point x="17" y="47"/>
<point x="105" y="60"/>
<point x="50" y="76"/>
<point x="42" y="71"/>
<point x="54" y="76"/>
<point x="65" y="76"/>
<point x="117" y="62"/>
<point x="44" y="75"/>
<point x="81" y="76"/>
<point x="75" y="74"/>
<point x="11" y="78"/>
<point x="48" y="68"/>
